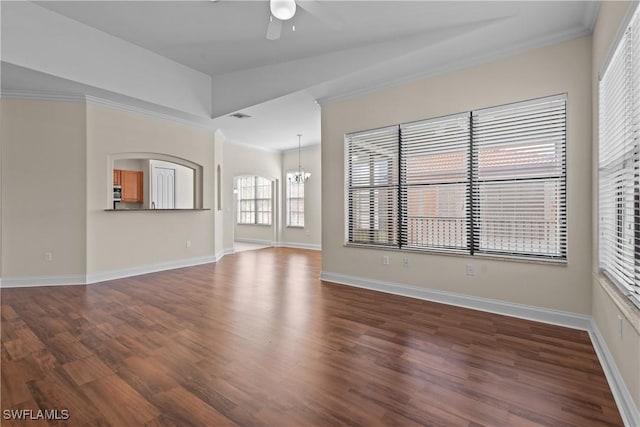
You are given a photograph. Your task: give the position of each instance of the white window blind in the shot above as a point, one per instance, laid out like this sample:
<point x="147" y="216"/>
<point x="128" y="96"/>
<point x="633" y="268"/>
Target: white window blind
<point x="519" y="179"/>
<point x="491" y="181"/>
<point x="619" y="164"/>
<point x="295" y="202"/>
<point x="435" y="183"/>
<point x="373" y="186"/>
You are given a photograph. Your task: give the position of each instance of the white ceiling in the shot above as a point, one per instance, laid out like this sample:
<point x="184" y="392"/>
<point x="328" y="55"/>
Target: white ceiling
<point x="343" y="47"/>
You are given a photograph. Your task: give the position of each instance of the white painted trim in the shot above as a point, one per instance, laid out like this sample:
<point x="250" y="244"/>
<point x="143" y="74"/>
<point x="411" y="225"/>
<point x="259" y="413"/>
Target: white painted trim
<point x="255" y="241"/>
<point x="42" y="96"/>
<point x="554" y="317"/>
<point x="626" y="406"/>
<point x="149" y="113"/>
<point x="296" y="245"/>
<point x="462" y="64"/>
<point x="591" y="12"/>
<point x="136" y="271"/>
<point x="32" y="281"/>
<point x="255" y="147"/>
<point x="206" y="123"/>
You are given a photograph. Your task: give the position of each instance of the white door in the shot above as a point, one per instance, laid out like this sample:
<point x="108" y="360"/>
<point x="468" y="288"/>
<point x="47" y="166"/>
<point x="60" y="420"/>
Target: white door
<point x="164" y="188"/>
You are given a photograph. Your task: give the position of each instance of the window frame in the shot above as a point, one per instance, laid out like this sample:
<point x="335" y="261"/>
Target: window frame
<point x="255" y="211"/>
<point x="618" y="162"/>
<point x="466" y="195"/>
<point x="301" y="200"/>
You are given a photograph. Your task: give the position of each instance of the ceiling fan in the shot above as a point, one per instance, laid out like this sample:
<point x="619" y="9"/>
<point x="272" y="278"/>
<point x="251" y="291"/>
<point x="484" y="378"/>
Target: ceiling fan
<point x="283" y="10"/>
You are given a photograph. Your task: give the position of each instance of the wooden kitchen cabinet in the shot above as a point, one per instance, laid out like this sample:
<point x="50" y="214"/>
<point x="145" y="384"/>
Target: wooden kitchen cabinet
<point x="131" y="182"/>
<point x="116" y="177"/>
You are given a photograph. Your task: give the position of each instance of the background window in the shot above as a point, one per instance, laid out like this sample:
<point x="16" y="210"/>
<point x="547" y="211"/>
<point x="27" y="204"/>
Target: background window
<point x="254" y="200"/>
<point x="295" y="202"/>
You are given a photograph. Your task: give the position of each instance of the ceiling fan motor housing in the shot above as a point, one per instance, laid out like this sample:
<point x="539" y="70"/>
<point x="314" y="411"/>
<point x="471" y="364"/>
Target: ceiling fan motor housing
<point x="283" y="9"/>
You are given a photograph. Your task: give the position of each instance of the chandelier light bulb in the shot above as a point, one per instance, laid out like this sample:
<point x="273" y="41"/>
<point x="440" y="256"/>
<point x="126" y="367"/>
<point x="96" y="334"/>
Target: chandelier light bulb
<point x="283" y="9"/>
<point x="299" y="176"/>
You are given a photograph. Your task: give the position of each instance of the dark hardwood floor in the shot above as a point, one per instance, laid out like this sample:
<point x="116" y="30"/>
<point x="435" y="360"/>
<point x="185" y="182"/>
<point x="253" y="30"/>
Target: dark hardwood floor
<point x="257" y="339"/>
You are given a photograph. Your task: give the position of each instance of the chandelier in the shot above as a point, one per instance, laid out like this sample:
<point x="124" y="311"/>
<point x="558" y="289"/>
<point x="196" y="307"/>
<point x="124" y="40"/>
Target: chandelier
<point x="299" y="176"/>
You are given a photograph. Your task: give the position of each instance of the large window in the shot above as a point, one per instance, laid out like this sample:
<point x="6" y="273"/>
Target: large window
<point x="295" y="202"/>
<point x="619" y="164"/>
<point x="372" y="187"/>
<point x="254" y="200"/>
<point x="490" y="181"/>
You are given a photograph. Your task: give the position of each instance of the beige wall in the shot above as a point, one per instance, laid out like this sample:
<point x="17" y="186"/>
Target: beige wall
<point x="626" y="349"/>
<point x="244" y="160"/>
<point x="556" y="69"/>
<point x="124" y="240"/>
<point x="311" y="234"/>
<point x="44" y="188"/>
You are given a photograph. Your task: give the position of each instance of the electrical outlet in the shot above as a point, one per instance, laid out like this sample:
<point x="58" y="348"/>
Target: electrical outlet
<point x="48" y="256"/>
<point x="188" y="243"/>
<point x="471" y="270"/>
<point x="405" y="262"/>
<point x="385" y="259"/>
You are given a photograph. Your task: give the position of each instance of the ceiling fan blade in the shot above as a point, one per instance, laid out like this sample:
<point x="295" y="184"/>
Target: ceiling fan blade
<point x="315" y="8"/>
<point x="274" y="29"/>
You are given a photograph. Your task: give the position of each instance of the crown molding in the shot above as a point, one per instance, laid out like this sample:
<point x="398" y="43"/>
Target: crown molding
<point x="255" y="147"/>
<point x="591" y="12"/>
<point x="41" y="96"/>
<point x="465" y="63"/>
<point x="90" y="99"/>
<point x="206" y="123"/>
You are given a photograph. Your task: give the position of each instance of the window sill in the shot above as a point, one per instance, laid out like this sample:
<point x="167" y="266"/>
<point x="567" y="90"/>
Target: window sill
<point x="157" y="210"/>
<point x="299" y="227"/>
<point x="622" y="302"/>
<point x="458" y="254"/>
<point x="253" y="225"/>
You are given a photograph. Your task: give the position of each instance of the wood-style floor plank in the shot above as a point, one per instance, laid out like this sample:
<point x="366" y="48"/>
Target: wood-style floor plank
<point x="258" y="340"/>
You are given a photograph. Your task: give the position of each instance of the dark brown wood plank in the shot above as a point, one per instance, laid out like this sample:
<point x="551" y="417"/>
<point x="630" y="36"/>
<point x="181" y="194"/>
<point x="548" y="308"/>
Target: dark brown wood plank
<point x="257" y="339"/>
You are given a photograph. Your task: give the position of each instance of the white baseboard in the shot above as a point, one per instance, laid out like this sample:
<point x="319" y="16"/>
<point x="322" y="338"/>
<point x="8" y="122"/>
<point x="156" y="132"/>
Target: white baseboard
<point x="555" y="317"/>
<point x="222" y="253"/>
<point x="255" y="241"/>
<point x="628" y="410"/>
<point x="79" y="279"/>
<point x="296" y="245"/>
<point x="145" y="269"/>
<point x="32" y="281"/>
<point x="626" y="405"/>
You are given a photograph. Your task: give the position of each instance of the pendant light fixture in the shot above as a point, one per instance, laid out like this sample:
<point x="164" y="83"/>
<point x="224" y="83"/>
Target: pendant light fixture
<point x="299" y="176"/>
